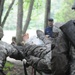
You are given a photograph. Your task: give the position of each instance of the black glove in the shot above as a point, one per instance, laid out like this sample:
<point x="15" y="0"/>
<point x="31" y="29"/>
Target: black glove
<point x="19" y="54"/>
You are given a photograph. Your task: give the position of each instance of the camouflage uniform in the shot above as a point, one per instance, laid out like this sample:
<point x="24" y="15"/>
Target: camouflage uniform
<point x="7" y="50"/>
<point x="60" y="56"/>
<point x="63" y="55"/>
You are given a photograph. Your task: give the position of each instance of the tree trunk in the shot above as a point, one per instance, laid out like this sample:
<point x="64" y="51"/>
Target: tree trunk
<point x="1" y="9"/>
<point x="19" y="21"/>
<point x="47" y="12"/>
<point x="7" y="13"/>
<point x="28" y="16"/>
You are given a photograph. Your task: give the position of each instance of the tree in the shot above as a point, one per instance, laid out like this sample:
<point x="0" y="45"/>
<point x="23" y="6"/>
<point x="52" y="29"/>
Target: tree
<point x="28" y="16"/>
<point x="1" y="9"/>
<point x="65" y="13"/>
<point x="47" y="12"/>
<point x="7" y="13"/>
<point x="19" y="21"/>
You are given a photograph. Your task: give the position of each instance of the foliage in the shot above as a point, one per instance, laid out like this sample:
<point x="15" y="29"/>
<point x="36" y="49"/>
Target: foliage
<point x="55" y="6"/>
<point x="65" y="13"/>
<point x="8" y="67"/>
<point x="37" y="17"/>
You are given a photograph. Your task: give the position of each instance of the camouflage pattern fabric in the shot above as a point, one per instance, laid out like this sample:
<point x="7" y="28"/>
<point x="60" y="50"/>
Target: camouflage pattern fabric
<point x="8" y="50"/>
<point x="60" y="56"/>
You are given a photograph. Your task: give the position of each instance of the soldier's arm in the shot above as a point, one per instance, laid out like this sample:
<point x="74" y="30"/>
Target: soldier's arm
<point x="7" y="50"/>
<point x="16" y="52"/>
<point x="40" y="64"/>
<point x="3" y="55"/>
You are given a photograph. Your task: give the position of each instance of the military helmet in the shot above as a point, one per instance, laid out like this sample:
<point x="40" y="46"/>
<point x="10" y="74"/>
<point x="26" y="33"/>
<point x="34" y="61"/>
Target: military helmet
<point x="1" y="32"/>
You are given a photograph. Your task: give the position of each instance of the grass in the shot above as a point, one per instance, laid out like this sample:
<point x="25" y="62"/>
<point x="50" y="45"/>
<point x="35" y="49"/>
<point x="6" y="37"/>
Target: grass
<point x="8" y="66"/>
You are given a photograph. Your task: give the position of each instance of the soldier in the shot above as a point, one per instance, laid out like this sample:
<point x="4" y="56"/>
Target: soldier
<point x="61" y="59"/>
<point x="63" y="55"/>
<point x="6" y="50"/>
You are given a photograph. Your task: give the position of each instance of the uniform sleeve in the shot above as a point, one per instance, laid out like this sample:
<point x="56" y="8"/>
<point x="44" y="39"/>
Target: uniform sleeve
<point x="39" y="64"/>
<point x="60" y="55"/>
<point x="13" y="51"/>
<point x="3" y="55"/>
<point x="8" y="50"/>
<point x="16" y="52"/>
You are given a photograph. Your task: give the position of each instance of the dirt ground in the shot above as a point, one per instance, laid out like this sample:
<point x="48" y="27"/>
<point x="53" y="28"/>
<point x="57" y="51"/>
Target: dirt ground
<point x="19" y="70"/>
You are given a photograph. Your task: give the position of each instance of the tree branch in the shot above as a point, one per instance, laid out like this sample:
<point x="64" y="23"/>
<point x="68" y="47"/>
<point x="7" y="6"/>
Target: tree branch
<point x="47" y="12"/>
<point x="1" y="9"/>
<point x="7" y="13"/>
